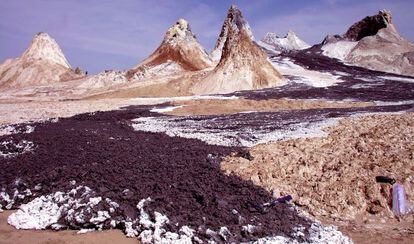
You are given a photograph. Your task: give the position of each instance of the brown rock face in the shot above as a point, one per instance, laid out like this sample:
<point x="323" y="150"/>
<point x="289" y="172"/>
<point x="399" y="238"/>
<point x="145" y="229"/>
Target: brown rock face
<point x="179" y="51"/>
<point x="234" y="19"/>
<point x="243" y="65"/>
<point x="369" y="26"/>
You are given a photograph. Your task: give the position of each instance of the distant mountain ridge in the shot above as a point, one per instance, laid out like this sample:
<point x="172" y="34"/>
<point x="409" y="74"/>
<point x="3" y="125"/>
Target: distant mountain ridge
<point x="290" y="42"/>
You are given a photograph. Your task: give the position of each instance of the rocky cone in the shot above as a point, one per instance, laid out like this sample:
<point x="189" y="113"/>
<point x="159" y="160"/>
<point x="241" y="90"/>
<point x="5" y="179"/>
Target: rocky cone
<point x="42" y="63"/>
<point x="243" y="65"/>
<point x="230" y="22"/>
<point x="179" y="51"/>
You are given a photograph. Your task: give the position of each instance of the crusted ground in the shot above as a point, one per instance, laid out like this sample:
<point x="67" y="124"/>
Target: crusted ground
<point x="334" y="177"/>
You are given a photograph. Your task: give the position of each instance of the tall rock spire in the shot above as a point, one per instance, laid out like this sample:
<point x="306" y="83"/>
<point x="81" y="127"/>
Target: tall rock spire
<point x="234" y="21"/>
<point x="243" y="65"/>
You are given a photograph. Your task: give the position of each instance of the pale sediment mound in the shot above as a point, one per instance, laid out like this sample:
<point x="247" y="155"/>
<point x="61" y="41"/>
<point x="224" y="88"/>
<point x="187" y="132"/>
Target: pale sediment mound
<point x="373" y="43"/>
<point x="290" y="42"/>
<point x="106" y="79"/>
<point x="179" y="51"/>
<point x="42" y="63"/>
<point x="242" y="66"/>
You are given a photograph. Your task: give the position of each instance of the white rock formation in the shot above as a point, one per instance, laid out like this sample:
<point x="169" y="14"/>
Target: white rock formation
<point x="290" y="42"/>
<point x="42" y="63"/>
<point x="106" y="79"/>
<point x="43" y="47"/>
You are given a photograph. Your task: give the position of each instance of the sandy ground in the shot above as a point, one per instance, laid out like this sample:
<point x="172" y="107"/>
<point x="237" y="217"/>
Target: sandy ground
<point x="211" y="107"/>
<point x="9" y="235"/>
<point x="374" y="231"/>
<point x="25" y="111"/>
<point x="334" y="177"/>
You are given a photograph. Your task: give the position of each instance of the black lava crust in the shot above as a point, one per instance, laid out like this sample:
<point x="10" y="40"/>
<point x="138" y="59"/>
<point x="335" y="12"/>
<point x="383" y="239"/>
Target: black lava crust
<point x="182" y="176"/>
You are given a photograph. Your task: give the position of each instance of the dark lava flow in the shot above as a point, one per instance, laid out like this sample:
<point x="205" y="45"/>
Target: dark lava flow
<point x="355" y="86"/>
<point x="182" y="176"/>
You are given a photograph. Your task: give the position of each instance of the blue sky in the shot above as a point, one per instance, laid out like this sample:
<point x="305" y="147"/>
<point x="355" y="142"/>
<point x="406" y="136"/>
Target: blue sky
<point x="109" y="34"/>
